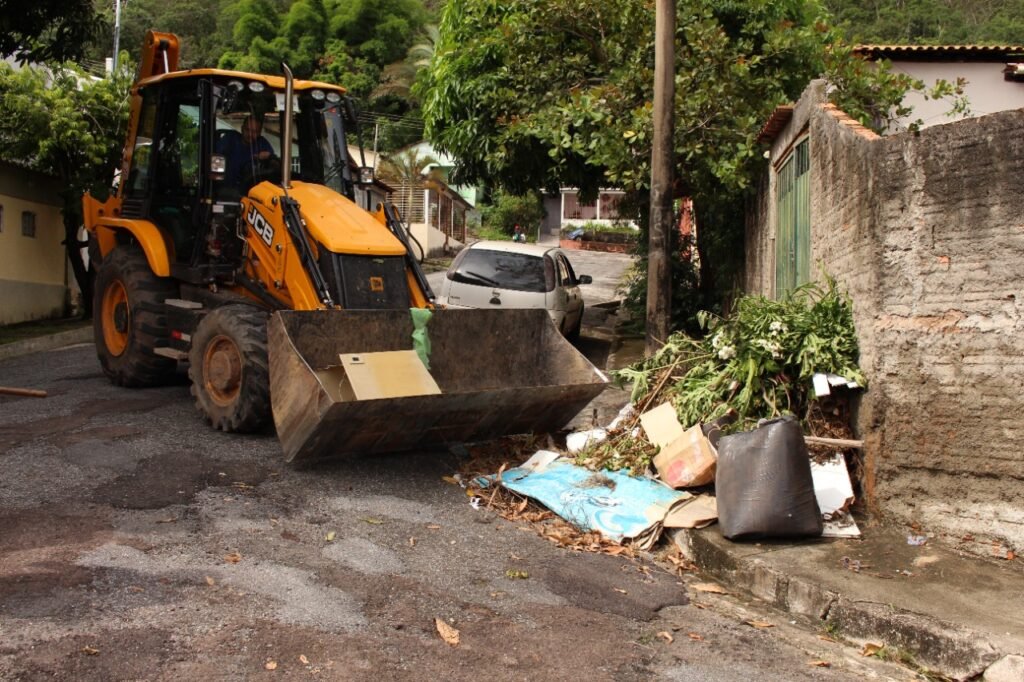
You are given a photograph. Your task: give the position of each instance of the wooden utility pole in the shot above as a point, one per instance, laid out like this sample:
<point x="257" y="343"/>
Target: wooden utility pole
<point x="659" y="278"/>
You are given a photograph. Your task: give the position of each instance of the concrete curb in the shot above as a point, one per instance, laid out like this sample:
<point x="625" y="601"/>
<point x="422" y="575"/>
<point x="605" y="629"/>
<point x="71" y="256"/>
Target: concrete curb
<point x="45" y="343"/>
<point x="935" y="645"/>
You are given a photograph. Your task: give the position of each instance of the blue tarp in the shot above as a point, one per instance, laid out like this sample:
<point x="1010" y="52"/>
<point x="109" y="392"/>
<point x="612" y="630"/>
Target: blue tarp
<point x="617" y="505"/>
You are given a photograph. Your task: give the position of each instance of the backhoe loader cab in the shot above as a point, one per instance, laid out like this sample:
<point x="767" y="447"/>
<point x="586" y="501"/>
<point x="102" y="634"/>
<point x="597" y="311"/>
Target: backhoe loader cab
<point x="235" y="212"/>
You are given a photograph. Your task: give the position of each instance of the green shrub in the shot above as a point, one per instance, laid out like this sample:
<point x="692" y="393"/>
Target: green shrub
<point x="507" y="210"/>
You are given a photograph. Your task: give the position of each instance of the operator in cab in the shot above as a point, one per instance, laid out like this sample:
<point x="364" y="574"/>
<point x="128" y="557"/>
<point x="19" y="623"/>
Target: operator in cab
<point x="244" y="153"/>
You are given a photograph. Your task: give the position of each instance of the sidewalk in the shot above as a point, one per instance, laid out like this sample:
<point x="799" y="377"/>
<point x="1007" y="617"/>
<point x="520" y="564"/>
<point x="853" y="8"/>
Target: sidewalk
<point x="45" y="342"/>
<point x="932" y="608"/>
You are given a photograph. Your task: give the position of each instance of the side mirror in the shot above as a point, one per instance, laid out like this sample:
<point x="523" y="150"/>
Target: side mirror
<point x="585" y="279"/>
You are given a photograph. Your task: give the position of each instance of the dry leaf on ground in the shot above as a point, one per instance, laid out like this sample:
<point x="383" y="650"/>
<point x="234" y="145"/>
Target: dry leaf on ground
<point x="303" y="660"/>
<point x="713" y="588"/>
<point x="667" y="636"/>
<point x="820" y="664"/>
<point x="695" y="637"/>
<point x="826" y="638"/>
<point x="210" y="581"/>
<point x="619" y="590"/>
<point x="330" y="536"/>
<point x="447" y="632"/>
<point x="233" y="558"/>
<point x="761" y="624"/>
<point x="270" y="665"/>
<point x="90" y="651"/>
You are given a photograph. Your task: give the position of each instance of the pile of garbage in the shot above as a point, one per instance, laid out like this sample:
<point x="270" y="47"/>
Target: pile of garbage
<point x="716" y="431"/>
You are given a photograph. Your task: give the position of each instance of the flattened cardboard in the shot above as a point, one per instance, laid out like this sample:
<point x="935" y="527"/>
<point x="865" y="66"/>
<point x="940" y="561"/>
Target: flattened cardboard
<point x="661" y="425"/>
<point x="389" y="374"/>
<point x="699" y="512"/>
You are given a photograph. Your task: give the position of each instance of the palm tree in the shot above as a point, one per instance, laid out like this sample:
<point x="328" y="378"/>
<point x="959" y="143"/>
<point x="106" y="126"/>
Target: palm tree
<point x="410" y="171"/>
<point x="398" y="78"/>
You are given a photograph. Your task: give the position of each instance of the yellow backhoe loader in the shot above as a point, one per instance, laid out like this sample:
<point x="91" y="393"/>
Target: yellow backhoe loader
<point x="234" y="242"/>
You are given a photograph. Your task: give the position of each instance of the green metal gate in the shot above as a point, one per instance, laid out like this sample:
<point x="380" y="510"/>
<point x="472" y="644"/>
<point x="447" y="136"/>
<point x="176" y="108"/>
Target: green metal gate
<point x="793" y="221"/>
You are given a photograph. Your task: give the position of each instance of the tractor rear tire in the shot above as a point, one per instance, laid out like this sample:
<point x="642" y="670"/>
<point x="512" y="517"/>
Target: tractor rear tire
<point x="129" y="321"/>
<point x="228" y="369"/>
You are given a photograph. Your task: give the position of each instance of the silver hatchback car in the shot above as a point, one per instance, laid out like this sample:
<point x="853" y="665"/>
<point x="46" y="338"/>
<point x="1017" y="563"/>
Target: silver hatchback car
<point x="491" y="274"/>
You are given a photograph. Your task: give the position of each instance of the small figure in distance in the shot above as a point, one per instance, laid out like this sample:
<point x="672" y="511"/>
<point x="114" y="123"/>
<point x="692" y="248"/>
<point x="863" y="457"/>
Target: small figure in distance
<point x="518" y="235"/>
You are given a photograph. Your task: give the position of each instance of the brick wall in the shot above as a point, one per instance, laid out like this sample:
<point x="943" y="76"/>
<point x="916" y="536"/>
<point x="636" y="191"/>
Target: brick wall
<point x="926" y="232"/>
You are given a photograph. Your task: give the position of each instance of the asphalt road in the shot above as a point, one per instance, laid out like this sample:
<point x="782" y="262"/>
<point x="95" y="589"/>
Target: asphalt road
<point x="138" y="544"/>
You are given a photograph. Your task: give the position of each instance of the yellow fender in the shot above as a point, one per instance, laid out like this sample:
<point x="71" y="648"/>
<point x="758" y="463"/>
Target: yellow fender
<point x="102" y="219"/>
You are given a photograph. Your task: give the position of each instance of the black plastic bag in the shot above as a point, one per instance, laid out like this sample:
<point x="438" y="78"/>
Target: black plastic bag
<point x="764" y="484"/>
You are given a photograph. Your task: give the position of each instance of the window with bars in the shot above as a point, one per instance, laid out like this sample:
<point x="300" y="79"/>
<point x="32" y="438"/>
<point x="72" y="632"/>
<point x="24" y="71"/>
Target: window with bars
<point x="574" y="210"/>
<point x="610" y="206"/>
<point x="28" y="224"/>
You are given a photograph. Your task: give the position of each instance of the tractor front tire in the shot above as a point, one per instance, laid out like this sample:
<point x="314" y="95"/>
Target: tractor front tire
<point x="129" y="320"/>
<point x="228" y="369"/>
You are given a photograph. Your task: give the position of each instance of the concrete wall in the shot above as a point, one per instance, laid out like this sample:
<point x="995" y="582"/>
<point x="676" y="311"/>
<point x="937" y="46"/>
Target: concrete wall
<point x="926" y="232"/>
<point x="33" y="274"/>
<point x="434" y="240"/>
<point x="987" y="90"/>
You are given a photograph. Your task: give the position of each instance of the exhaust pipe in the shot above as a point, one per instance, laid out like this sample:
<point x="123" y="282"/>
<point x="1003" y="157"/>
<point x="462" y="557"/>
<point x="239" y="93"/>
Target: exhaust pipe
<point x="286" y="130"/>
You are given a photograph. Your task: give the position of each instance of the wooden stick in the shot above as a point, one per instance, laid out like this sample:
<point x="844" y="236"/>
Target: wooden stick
<point x="836" y="442"/>
<point x="26" y="392"/>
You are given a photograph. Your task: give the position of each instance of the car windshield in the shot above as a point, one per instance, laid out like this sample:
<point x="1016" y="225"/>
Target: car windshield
<point x="502" y="270"/>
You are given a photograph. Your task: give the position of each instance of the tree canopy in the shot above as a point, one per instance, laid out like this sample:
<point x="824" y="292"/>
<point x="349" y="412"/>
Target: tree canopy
<point x="46" y="30"/>
<point x="559" y="91"/>
<point x="930" y="21"/>
<point x="67" y="124"/>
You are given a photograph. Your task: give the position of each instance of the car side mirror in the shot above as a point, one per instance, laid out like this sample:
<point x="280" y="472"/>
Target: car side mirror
<point x="585" y="279"/>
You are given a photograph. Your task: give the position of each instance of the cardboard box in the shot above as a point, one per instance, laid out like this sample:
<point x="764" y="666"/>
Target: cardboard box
<point x="688" y="461"/>
<point x="686" y="458"/>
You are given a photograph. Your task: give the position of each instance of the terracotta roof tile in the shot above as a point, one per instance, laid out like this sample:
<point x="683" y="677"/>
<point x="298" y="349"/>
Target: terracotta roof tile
<point x="776" y="122"/>
<point x="939" y="52"/>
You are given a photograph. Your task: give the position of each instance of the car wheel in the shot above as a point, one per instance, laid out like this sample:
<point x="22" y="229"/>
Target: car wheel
<point x="574" y="333"/>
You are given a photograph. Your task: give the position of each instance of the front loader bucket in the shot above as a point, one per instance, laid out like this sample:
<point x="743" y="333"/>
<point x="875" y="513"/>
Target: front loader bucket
<point x="496" y="373"/>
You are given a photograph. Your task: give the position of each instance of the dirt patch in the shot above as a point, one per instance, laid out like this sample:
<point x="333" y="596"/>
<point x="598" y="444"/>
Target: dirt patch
<point x="42" y="528"/>
<point x="175" y="478"/>
<point x="13" y="435"/>
<point x="130" y="654"/>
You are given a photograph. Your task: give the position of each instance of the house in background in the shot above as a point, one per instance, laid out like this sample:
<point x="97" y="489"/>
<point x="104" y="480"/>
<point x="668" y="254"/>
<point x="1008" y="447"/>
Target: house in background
<point x="990" y="72"/>
<point x="442" y="170"/>
<point x="925" y="232"/>
<point x="35" y="281"/>
<point x="368" y="196"/>
<point x="566" y="210"/>
<point x="435" y="212"/>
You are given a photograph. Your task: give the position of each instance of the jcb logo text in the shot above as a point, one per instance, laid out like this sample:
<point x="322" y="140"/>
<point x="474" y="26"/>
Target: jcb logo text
<point x="260" y="225"/>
